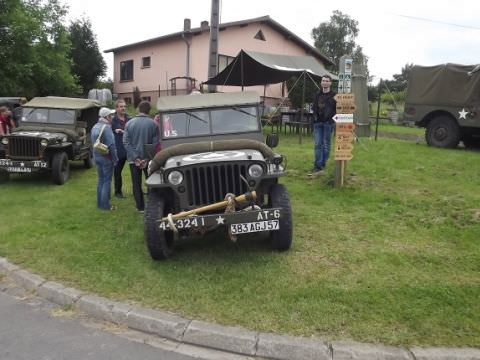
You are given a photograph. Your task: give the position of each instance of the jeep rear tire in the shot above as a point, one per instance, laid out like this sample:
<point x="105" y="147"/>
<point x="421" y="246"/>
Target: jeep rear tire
<point x="88" y="161"/>
<point x="278" y="198"/>
<point x="443" y="131"/>
<point x="159" y="242"/>
<point x="60" y="168"/>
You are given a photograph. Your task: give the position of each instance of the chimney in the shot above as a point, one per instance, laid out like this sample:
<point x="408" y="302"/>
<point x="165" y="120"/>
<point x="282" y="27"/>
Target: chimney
<point x="204" y="25"/>
<point x="187" y="24"/>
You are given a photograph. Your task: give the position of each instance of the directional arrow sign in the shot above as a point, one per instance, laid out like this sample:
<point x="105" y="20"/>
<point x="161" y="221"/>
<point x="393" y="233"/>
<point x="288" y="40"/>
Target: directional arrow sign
<point x="345" y="108"/>
<point x="347" y="155"/>
<point x="343" y="118"/>
<point x="344" y="127"/>
<point x="345" y="97"/>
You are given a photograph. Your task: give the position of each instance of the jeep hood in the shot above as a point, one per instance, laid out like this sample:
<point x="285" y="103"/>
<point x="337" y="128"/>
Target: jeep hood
<point x="39" y="135"/>
<point x="214" y="156"/>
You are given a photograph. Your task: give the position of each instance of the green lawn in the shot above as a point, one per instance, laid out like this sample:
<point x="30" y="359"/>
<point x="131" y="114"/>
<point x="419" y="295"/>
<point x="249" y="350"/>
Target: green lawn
<point x="392" y="257"/>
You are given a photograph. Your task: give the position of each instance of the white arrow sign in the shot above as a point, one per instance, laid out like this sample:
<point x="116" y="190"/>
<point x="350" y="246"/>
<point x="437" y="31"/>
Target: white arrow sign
<point x="343" y="118"/>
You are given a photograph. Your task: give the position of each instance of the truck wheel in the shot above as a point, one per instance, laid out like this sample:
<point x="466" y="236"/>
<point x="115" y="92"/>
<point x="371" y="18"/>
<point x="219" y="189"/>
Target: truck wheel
<point x="159" y="242"/>
<point x="442" y="131"/>
<point x="278" y="197"/>
<point x="60" y="168"/>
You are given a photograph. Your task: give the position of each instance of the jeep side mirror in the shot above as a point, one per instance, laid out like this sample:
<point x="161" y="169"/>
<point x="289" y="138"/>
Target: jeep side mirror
<point x="272" y="140"/>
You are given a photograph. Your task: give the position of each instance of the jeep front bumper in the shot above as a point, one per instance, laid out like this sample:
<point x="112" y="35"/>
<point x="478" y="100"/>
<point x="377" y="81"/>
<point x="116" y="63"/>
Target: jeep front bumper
<point x="21" y="166"/>
<point x="238" y="222"/>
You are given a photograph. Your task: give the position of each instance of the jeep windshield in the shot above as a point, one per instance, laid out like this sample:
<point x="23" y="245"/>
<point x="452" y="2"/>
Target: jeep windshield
<point x="215" y="121"/>
<point x="48" y="116"/>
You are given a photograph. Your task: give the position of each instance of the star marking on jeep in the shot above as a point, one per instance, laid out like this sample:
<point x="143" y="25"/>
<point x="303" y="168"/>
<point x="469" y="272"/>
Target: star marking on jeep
<point x="22" y="164"/>
<point x="220" y="220"/>
<point x="462" y="114"/>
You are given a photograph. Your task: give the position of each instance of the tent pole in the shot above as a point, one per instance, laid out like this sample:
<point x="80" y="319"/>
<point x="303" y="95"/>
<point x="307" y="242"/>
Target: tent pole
<point x="300" y="126"/>
<point x="263" y="107"/>
<point x="241" y="68"/>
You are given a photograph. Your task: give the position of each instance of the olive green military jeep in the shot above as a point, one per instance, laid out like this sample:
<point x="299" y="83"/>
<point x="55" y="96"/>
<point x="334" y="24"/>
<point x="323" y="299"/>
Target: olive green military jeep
<point x="445" y="100"/>
<point x="214" y="172"/>
<point x="52" y="131"/>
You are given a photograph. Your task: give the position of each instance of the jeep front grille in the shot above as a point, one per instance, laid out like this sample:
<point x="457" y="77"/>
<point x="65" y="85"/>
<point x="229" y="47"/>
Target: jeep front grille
<point x="23" y="148"/>
<point x="209" y="184"/>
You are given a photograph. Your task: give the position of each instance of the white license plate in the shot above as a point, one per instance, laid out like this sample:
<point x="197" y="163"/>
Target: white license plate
<point x="18" y="169"/>
<point x="256" y="226"/>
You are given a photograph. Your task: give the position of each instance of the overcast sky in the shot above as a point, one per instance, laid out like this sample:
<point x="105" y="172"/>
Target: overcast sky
<point x="392" y="34"/>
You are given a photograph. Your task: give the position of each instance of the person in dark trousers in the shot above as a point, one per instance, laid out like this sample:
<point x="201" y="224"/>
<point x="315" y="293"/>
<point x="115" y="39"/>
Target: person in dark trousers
<point x="118" y="127"/>
<point x="139" y="131"/>
<point x="104" y="162"/>
<point x="324" y="109"/>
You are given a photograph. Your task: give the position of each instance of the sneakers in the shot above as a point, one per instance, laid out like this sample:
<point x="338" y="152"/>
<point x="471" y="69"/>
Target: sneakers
<point x="120" y="195"/>
<point x="316" y="171"/>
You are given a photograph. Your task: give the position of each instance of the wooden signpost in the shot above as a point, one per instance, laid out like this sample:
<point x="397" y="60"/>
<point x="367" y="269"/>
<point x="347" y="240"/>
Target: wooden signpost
<point x="344" y="128"/>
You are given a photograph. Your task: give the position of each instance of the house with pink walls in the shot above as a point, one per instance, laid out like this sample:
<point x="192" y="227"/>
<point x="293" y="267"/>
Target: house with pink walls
<point x="153" y="65"/>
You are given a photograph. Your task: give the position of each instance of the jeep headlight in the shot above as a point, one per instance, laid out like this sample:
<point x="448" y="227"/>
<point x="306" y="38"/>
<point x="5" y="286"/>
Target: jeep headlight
<point x="255" y="171"/>
<point x="44" y="142"/>
<point x="175" y="177"/>
<point x="5" y="141"/>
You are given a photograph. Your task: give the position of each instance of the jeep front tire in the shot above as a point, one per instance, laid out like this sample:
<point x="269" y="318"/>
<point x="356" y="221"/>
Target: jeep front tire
<point x="159" y="242"/>
<point x="60" y="168"/>
<point x="278" y="198"/>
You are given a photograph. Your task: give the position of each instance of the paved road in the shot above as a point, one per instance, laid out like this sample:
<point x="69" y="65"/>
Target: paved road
<point x="29" y="330"/>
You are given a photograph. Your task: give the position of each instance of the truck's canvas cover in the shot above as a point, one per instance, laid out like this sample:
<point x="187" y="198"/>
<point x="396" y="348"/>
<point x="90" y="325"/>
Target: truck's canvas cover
<point x="447" y="84"/>
<point x="56" y="102"/>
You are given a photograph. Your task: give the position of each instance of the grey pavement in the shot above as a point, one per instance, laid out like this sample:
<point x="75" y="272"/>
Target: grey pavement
<point x="165" y="334"/>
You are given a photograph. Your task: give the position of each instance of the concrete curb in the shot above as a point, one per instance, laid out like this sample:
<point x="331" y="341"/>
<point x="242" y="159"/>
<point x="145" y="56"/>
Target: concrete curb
<point x="232" y="339"/>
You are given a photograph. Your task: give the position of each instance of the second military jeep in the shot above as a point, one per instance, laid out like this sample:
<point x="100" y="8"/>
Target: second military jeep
<point x="52" y="130"/>
<point x="214" y="171"/>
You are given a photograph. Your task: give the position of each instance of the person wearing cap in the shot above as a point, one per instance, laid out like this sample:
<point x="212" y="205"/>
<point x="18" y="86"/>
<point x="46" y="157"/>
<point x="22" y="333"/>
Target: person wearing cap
<point x="104" y="162"/>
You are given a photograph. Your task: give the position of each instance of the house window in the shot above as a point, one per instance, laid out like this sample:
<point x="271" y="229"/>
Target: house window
<point x="126" y="70"/>
<point x="146" y="62"/>
<point x="128" y="100"/>
<point x="223" y="61"/>
<point x="259" y="35"/>
<point x="147" y="98"/>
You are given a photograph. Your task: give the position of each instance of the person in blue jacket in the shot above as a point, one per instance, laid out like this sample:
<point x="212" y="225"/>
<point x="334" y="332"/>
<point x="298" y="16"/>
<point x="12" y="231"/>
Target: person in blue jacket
<point x="104" y="162"/>
<point x="118" y="127"/>
<point x="139" y="131"/>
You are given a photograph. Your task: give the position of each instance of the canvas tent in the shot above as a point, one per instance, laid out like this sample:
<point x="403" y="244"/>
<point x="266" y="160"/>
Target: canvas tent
<point x="251" y="68"/>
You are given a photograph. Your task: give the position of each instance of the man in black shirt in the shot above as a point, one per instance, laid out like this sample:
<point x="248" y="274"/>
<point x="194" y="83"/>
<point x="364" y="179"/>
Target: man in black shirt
<point x="324" y="109"/>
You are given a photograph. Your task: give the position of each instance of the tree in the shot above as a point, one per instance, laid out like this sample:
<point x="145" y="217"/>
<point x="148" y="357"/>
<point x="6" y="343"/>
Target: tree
<point x="400" y="81"/>
<point x="34" y="55"/>
<point x="336" y="38"/>
<point x="88" y="63"/>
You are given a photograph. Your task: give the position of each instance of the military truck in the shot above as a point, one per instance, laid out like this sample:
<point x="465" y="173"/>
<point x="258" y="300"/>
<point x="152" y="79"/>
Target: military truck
<point x="214" y="172"/>
<point x="52" y="130"/>
<point x="445" y="100"/>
